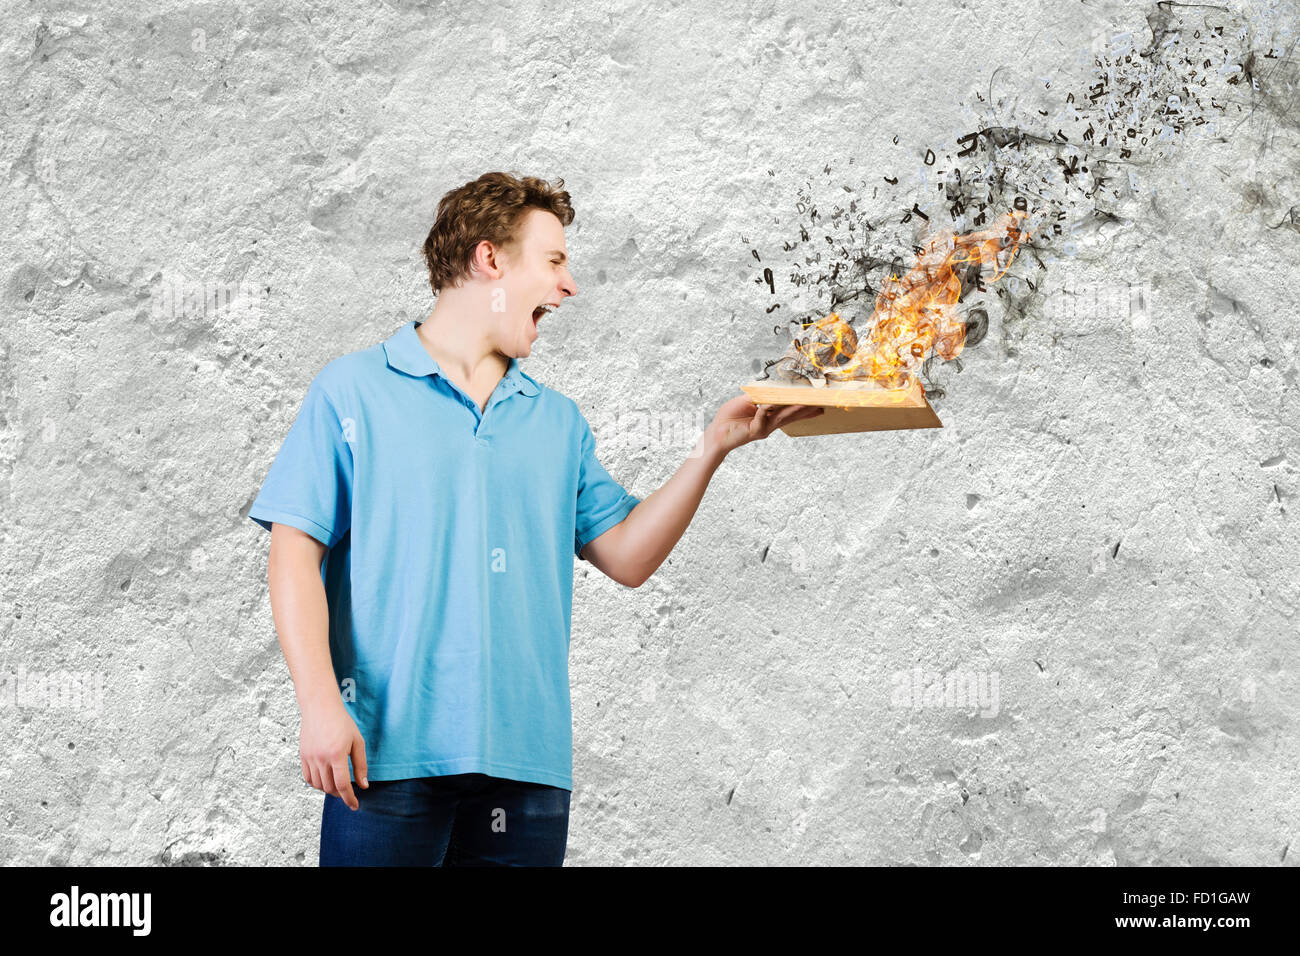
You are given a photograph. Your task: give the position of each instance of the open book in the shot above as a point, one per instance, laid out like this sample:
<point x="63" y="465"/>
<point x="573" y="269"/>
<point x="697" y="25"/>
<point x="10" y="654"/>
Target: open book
<point x="850" y="406"/>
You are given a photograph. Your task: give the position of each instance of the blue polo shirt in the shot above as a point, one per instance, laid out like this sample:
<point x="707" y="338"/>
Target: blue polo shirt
<point x="451" y="538"/>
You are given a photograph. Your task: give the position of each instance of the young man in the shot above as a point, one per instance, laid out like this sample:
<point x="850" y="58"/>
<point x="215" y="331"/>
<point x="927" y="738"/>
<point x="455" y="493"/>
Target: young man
<point x="425" y="509"/>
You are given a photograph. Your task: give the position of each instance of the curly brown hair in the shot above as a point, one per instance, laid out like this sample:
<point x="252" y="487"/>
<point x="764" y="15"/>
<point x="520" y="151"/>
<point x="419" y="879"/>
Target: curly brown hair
<point x="491" y="208"/>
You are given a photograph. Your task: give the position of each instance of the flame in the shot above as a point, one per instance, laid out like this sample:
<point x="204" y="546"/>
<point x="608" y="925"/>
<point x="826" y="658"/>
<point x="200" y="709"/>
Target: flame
<point x="915" y="315"/>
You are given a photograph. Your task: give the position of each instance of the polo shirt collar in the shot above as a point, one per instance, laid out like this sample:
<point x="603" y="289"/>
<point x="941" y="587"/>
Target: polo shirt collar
<point x="407" y="353"/>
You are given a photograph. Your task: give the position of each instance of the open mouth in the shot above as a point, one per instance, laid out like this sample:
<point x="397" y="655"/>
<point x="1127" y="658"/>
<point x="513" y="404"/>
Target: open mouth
<point x="541" y="310"/>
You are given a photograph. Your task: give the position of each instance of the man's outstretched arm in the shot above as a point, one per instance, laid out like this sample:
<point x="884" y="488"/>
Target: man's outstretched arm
<point x="634" y="548"/>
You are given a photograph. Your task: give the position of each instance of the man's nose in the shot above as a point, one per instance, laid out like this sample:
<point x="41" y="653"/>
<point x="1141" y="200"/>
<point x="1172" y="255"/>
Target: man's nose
<point x="567" y="285"/>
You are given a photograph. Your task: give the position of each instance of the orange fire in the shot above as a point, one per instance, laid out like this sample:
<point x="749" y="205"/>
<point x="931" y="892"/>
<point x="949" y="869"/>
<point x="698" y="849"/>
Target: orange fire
<point x="914" y="315"/>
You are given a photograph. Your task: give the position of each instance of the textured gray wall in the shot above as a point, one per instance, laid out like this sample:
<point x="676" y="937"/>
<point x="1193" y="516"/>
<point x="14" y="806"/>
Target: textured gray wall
<point x="207" y="202"/>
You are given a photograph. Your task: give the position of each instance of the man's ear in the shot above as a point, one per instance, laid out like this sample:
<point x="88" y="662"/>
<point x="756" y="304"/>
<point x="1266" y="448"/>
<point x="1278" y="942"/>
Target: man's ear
<point x="487" y="260"/>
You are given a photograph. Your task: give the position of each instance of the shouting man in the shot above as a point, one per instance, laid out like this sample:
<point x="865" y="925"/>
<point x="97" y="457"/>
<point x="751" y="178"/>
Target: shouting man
<point x="425" y="510"/>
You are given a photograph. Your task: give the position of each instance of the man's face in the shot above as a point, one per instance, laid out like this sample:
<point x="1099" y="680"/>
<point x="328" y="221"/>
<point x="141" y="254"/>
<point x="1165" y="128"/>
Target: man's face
<point x="535" y="280"/>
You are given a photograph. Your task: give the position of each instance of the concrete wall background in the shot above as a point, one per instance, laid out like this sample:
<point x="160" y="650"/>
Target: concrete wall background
<point x="284" y="160"/>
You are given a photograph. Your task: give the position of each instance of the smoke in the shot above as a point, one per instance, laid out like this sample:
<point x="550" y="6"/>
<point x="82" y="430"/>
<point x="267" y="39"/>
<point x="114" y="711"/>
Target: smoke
<point x="1074" y="151"/>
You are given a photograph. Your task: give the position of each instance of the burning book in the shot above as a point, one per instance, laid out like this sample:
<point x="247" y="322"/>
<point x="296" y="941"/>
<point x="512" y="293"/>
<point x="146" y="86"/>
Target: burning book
<point x="872" y="385"/>
<point x="850" y="406"/>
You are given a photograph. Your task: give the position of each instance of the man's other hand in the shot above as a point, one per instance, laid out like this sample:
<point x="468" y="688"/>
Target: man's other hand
<point x="328" y="737"/>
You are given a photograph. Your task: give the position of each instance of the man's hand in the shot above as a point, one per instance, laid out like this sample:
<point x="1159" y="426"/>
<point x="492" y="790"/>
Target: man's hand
<point x="328" y="737"/>
<point x="301" y="614"/>
<point x="740" y="422"/>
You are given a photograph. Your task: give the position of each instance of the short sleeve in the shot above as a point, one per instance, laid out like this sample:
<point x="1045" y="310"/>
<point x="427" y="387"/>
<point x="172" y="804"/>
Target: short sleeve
<point x="309" y="485"/>
<point x="602" y="501"/>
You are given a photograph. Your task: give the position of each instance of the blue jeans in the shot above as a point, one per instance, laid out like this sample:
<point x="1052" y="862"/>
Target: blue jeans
<point x="463" y="819"/>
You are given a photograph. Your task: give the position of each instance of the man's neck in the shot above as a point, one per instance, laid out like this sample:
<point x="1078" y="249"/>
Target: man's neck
<point x="453" y="335"/>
